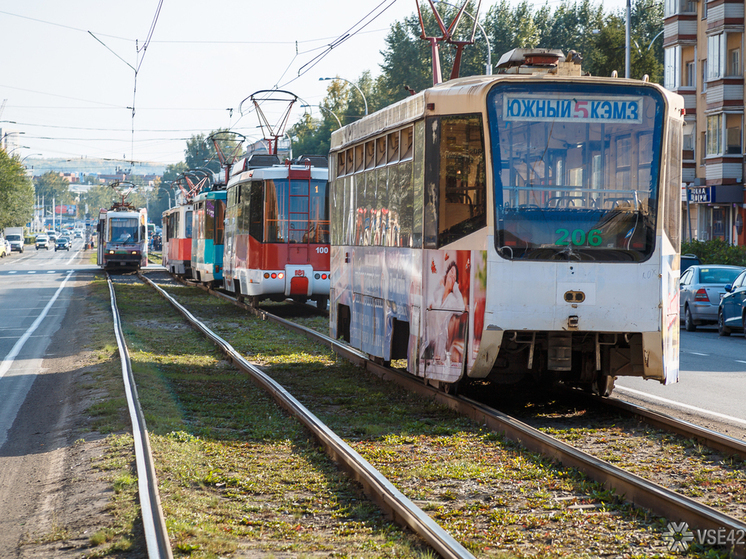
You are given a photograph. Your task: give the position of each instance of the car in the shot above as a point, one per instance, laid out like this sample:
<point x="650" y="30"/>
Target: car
<point x="731" y="314"/>
<point x="52" y="237"/>
<point x="42" y="241"/>
<point x="78" y="235"/>
<point x="63" y="243"/>
<point x="688" y="260"/>
<point x="701" y="288"/>
<point x="15" y="240"/>
<point x="4" y="248"/>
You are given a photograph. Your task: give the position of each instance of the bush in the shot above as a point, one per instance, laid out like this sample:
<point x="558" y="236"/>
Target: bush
<point x="716" y="251"/>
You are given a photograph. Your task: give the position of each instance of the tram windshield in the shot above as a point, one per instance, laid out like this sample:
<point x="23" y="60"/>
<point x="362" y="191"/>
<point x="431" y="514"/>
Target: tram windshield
<point x="576" y="170"/>
<point x="123" y="230"/>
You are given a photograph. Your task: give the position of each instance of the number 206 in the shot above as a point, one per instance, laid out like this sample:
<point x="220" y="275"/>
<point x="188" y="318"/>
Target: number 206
<point x="578" y="237"/>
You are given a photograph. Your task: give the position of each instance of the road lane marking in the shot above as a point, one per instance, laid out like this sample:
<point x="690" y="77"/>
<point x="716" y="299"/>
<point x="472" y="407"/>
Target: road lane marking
<point x="680" y="405"/>
<point x="8" y="361"/>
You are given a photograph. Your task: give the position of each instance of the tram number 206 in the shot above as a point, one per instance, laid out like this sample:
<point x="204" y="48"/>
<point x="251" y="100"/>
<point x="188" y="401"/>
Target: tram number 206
<point x="579" y="237"/>
<point x="322" y="250"/>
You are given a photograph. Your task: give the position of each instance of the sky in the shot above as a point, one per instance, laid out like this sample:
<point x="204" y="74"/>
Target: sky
<point x="70" y="72"/>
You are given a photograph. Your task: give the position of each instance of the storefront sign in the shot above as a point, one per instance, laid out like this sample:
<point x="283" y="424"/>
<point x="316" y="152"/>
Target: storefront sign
<point x="700" y="195"/>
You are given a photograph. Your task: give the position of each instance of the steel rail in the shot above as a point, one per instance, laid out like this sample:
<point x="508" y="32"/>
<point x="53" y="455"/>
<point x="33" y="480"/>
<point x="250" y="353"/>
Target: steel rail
<point x="635" y="489"/>
<point x="377" y="487"/>
<point x="154" y="524"/>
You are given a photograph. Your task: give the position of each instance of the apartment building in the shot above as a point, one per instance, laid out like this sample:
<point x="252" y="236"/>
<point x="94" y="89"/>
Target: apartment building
<point x="703" y="46"/>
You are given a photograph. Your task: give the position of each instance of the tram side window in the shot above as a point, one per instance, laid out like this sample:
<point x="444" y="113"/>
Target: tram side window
<point x="209" y="209"/>
<point x="455" y="178"/>
<point x="319" y="216"/>
<point x="673" y="177"/>
<point x="188" y="224"/>
<point x="219" y="222"/>
<point x="255" y="213"/>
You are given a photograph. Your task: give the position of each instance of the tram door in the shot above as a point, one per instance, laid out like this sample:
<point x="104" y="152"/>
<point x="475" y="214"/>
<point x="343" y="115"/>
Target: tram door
<point x="299" y="204"/>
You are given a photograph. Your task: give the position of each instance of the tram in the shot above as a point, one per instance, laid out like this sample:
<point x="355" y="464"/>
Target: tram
<point x="177" y="240"/>
<point x="122" y="237"/>
<point x="208" y="234"/>
<point x="518" y="225"/>
<point x="277" y="230"/>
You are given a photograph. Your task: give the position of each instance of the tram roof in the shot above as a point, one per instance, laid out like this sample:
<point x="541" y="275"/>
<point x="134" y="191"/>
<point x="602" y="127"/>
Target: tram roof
<point x="277" y="172"/>
<point x="458" y="96"/>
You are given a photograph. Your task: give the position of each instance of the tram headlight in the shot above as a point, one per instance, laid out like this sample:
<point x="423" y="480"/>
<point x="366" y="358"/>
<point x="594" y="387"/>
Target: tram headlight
<point x="281" y="275"/>
<point x="111" y="252"/>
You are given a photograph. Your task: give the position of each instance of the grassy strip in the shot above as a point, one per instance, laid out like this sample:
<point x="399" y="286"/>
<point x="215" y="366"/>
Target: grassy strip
<point x="236" y="474"/>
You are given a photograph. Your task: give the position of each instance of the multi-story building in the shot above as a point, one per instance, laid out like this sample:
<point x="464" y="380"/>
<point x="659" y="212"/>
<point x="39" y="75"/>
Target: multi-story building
<point x="703" y="46"/>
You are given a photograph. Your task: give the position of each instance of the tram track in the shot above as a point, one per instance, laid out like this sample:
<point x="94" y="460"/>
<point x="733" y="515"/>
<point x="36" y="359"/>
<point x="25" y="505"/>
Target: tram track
<point x="635" y="489"/>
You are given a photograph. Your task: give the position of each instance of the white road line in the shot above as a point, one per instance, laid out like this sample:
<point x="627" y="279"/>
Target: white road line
<point x="697" y="353"/>
<point x="680" y="405"/>
<point x="8" y="361"/>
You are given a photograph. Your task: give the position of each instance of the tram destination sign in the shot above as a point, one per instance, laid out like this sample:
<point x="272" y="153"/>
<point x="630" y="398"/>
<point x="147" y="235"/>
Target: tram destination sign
<point x="572" y="108"/>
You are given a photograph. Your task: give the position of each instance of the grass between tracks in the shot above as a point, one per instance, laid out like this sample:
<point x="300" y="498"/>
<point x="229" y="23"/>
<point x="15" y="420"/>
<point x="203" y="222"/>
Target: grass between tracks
<point x="237" y="476"/>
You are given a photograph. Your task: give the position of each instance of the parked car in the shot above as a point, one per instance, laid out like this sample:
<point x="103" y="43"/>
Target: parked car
<point x="4" y="248"/>
<point x="15" y="239"/>
<point x="688" y="260"/>
<point x="63" y="243"/>
<point x="731" y="314"/>
<point x="701" y="289"/>
<point x="42" y="241"/>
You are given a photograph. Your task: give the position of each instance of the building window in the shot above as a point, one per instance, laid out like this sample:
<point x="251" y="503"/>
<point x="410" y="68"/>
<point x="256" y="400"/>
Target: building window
<point x="714" y="135"/>
<point x="715" y="56"/>
<point x="672" y="62"/>
<point x="704" y="75"/>
<point x="691" y="74"/>
<point x="734" y="61"/>
<point x="733" y="134"/>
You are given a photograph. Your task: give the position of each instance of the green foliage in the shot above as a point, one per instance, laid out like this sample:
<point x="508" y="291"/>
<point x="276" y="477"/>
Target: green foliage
<point x="716" y="251"/>
<point x="16" y="193"/>
<point x="52" y="186"/>
<point x="578" y="25"/>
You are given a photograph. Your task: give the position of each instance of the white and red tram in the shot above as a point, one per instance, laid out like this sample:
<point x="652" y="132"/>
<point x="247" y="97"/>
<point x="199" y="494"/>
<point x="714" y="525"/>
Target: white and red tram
<point x="277" y="231"/>
<point x="522" y="224"/>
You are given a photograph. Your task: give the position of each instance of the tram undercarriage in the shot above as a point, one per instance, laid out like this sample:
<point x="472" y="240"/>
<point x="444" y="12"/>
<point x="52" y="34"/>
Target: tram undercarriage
<point x="586" y="359"/>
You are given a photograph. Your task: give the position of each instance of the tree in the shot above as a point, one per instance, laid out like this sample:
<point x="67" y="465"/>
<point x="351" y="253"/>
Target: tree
<point x="52" y="186"/>
<point x="16" y="192"/>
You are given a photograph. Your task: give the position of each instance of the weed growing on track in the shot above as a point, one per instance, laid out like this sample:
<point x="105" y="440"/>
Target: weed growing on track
<point x="494" y="497"/>
<point x="236" y="474"/>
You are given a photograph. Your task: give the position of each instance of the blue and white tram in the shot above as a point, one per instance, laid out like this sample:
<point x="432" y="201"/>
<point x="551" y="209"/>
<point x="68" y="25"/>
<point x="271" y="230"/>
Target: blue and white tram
<point x="208" y="236"/>
<point x="523" y="224"/>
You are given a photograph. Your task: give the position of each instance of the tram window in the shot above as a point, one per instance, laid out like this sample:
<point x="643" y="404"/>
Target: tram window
<point x="455" y="174"/>
<point x="381" y="207"/>
<point x="341" y="164"/>
<point x="393" y="147"/>
<point x="275" y="211"/>
<point x="671" y="222"/>
<point x="350" y="165"/>
<point x="209" y="225"/>
<point x="359" y="185"/>
<point x="380" y="151"/>
<point x="407" y="141"/>
<point x="255" y="213"/>
<point x="188" y="225"/>
<point x="418" y="183"/>
<point x="392" y="223"/>
<point x="219" y="222"/>
<point x="406" y="205"/>
<point x="298" y="216"/>
<point x="369" y="205"/>
<point x="359" y="158"/>
<point x="370" y="153"/>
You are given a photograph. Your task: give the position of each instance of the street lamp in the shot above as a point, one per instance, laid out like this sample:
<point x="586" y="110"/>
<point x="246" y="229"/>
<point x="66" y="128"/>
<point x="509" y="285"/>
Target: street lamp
<point x="323" y="109"/>
<point x="19" y="147"/>
<point x="355" y="86"/>
<point x="29" y="155"/>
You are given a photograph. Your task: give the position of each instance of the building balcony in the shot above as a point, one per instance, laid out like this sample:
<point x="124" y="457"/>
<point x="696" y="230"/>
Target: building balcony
<point x="724" y="14"/>
<point x="724" y="169"/>
<point x="680" y="29"/>
<point x="725" y="92"/>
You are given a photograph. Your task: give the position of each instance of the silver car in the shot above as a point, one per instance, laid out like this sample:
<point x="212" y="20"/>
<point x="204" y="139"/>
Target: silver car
<point x="701" y="289"/>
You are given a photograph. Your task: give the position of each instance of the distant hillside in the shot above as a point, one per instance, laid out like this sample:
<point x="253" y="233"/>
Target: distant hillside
<point x="88" y="166"/>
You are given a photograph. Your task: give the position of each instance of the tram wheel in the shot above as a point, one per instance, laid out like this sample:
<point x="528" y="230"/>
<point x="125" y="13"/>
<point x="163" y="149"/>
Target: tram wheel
<point x="603" y="385"/>
<point x="252" y="301"/>
<point x="689" y="321"/>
